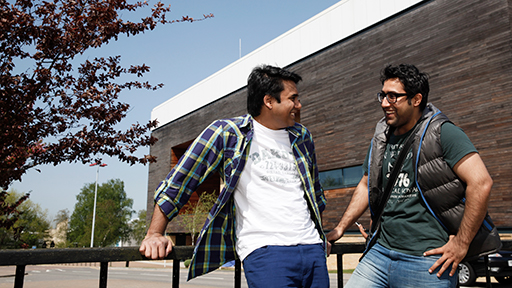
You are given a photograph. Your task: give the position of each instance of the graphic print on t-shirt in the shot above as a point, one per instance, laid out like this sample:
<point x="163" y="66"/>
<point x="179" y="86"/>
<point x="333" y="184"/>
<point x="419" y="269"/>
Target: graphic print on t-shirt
<point x="279" y="165"/>
<point x="404" y="187"/>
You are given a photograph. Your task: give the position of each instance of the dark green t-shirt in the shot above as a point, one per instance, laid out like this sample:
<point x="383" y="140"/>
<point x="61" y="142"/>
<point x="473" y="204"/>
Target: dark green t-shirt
<point x="407" y="226"/>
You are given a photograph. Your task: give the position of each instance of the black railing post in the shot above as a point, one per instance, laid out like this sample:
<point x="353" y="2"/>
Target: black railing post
<point x="238" y="273"/>
<point x="339" y="268"/>
<point x="20" y="275"/>
<point x="487" y="272"/>
<point x="175" y="273"/>
<point x="103" y="274"/>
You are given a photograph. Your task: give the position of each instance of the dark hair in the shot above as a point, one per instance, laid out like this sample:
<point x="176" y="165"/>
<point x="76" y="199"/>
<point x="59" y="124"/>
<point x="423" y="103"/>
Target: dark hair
<point x="266" y="80"/>
<point x="413" y="80"/>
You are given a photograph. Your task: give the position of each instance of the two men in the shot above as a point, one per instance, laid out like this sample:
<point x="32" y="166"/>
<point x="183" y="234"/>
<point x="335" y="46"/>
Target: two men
<point x="272" y="189"/>
<point x="410" y="247"/>
<point x="268" y="164"/>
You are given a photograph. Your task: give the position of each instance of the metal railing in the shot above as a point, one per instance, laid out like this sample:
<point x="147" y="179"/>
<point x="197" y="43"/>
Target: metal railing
<point x="22" y="258"/>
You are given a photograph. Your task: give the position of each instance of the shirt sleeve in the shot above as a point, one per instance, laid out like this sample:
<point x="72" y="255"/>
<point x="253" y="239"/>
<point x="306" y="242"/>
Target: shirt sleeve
<point x="200" y="160"/>
<point x="319" y="191"/>
<point x="455" y="143"/>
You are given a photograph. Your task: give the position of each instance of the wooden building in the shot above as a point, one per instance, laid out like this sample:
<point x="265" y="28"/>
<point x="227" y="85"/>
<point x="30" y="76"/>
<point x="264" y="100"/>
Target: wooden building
<point x="464" y="45"/>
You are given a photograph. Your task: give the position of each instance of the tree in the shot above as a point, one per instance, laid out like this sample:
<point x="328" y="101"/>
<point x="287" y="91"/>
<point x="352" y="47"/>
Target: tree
<point x="113" y="212"/>
<point x="31" y="225"/>
<point x="139" y="227"/>
<point x="53" y="109"/>
<point x="62" y="216"/>
<point x="10" y="214"/>
<point x="194" y="216"/>
<point x="9" y="210"/>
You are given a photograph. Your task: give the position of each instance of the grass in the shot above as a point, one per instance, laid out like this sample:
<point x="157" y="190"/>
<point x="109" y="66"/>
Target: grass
<point x="348" y="271"/>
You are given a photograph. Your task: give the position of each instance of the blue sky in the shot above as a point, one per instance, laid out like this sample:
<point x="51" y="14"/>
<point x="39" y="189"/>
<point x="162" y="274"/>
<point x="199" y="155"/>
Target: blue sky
<point x="180" y="55"/>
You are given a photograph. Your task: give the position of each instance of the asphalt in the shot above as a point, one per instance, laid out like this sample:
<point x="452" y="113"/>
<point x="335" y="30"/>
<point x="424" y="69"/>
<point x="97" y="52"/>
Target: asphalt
<point x="9" y="272"/>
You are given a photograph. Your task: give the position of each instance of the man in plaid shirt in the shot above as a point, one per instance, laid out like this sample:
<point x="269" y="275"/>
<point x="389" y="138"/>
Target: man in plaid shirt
<point x="268" y="213"/>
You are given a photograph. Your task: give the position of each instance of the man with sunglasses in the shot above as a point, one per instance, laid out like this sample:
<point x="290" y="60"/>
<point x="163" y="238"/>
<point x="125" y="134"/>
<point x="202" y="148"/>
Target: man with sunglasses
<point x="410" y="245"/>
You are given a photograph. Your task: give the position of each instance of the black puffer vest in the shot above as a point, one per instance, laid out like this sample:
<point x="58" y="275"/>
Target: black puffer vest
<point x="440" y="188"/>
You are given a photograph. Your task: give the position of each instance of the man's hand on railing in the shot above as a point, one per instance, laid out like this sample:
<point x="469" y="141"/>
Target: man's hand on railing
<point x="332" y="237"/>
<point x="334" y="234"/>
<point x="155" y="246"/>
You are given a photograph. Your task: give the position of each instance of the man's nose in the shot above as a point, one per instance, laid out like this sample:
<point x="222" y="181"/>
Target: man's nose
<point x="385" y="103"/>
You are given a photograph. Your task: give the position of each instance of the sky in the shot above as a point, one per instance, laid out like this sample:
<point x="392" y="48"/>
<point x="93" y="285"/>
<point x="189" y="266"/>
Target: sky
<point x="179" y="55"/>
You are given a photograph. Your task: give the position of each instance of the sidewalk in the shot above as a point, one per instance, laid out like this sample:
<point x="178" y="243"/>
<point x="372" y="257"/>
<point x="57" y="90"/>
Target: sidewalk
<point x="10" y="271"/>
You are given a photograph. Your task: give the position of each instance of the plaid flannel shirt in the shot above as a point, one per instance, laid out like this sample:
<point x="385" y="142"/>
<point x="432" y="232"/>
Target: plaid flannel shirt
<point x="223" y="147"/>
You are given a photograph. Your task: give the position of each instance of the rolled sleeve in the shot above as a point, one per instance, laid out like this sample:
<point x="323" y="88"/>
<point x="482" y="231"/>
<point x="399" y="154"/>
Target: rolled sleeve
<point x="167" y="205"/>
<point x="200" y="160"/>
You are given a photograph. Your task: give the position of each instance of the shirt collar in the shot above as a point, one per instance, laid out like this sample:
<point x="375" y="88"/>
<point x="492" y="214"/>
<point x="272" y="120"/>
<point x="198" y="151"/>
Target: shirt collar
<point x="295" y="130"/>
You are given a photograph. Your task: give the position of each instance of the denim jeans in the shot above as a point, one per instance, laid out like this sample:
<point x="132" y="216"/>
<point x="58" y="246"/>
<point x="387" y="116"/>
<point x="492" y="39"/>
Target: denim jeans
<point x="298" y="266"/>
<point x="382" y="267"/>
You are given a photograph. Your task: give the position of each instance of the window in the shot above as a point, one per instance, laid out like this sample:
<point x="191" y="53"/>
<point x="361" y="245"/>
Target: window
<point x="341" y="178"/>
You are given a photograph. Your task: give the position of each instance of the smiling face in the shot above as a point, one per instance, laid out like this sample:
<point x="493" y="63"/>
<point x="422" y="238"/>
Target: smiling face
<point x="403" y="114"/>
<point x="278" y="115"/>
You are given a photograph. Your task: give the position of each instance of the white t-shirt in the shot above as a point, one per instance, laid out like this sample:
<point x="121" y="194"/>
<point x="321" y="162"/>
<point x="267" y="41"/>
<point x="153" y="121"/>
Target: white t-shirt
<point x="269" y="198"/>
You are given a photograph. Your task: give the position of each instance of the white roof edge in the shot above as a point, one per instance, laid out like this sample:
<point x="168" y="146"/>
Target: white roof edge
<point x="320" y="31"/>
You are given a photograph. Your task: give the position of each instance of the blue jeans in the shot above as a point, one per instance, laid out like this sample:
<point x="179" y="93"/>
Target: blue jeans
<point x="382" y="267"/>
<point x="287" y="266"/>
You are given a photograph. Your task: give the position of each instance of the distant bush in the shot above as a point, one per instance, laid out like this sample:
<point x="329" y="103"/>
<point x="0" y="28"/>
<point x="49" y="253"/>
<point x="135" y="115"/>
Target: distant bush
<point x="187" y="262"/>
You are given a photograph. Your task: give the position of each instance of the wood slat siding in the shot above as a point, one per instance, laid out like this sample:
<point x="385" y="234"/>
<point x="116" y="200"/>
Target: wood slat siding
<point x="464" y="45"/>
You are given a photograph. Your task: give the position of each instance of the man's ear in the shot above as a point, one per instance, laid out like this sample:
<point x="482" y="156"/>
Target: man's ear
<point x="267" y="101"/>
<point x="416" y="100"/>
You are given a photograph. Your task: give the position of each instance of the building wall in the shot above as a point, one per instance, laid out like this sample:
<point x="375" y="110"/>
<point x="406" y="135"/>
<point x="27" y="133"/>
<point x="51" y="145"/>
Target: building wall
<point x="339" y="21"/>
<point x="465" y="46"/>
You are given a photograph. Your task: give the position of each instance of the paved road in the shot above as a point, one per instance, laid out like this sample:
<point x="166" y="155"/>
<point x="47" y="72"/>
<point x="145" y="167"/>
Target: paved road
<point x="51" y="276"/>
<point x="138" y="275"/>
